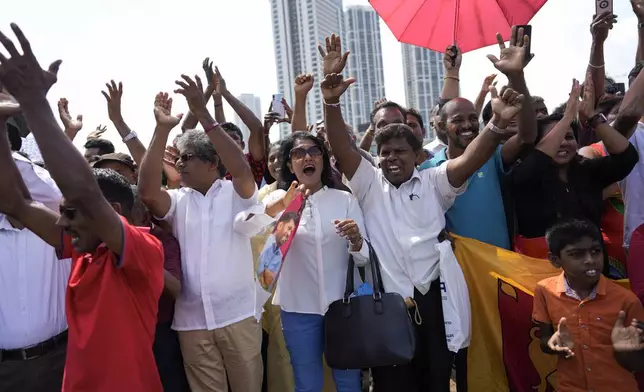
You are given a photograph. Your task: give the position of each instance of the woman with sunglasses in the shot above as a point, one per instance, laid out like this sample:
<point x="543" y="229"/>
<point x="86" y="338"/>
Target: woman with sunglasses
<point x="314" y="271"/>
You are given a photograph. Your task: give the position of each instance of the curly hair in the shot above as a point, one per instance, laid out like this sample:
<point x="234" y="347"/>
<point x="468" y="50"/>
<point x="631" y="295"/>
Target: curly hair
<point x="285" y="151"/>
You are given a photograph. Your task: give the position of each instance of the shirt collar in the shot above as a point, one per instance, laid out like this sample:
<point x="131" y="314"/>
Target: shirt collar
<point x="440" y="156"/>
<point x="562" y="287"/>
<point x="214" y="188"/>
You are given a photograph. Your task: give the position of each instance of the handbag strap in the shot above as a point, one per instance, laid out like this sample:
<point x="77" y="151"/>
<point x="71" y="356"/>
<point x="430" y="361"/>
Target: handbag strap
<point x="349" y="288"/>
<point x="378" y="287"/>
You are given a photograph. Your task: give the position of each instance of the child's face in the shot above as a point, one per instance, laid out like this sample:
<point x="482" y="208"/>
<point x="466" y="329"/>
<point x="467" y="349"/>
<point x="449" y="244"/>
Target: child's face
<point x="283" y="232"/>
<point x="582" y="262"/>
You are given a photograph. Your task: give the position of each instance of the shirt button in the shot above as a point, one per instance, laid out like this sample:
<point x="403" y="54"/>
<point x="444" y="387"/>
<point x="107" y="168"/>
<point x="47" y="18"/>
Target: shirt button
<point x="585" y="346"/>
<point x="599" y="318"/>
<point x="588" y="370"/>
<point x="582" y="326"/>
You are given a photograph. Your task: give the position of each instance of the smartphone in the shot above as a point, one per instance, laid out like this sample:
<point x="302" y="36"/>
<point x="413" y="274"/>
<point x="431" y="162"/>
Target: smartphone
<point x="277" y="106"/>
<point x="602" y="6"/>
<point x="454" y="48"/>
<point x="621" y="88"/>
<point x="527" y="30"/>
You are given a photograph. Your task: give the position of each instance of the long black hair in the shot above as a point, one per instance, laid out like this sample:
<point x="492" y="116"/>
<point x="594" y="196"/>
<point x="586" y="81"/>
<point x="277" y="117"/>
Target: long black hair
<point x="285" y="151"/>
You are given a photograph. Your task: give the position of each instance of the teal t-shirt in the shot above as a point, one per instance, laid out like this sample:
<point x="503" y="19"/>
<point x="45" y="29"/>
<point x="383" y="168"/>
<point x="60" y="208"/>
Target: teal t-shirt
<point x="478" y="213"/>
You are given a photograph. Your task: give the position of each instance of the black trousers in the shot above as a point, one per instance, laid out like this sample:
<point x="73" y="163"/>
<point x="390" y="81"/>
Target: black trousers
<point x="42" y="374"/>
<point x="431" y="368"/>
<point x="167" y="354"/>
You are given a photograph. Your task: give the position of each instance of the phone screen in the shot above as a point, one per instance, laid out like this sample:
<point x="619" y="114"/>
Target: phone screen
<point x="602" y="6"/>
<point x="277" y="104"/>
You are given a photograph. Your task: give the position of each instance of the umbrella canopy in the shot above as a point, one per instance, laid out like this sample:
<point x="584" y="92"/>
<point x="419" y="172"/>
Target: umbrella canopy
<point x="471" y="24"/>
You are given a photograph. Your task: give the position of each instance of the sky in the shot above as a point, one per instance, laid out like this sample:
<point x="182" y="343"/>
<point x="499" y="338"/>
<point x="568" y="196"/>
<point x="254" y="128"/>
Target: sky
<point x="148" y="44"/>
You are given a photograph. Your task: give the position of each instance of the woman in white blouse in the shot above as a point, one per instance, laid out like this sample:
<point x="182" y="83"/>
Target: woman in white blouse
<point x="314" y="270"/>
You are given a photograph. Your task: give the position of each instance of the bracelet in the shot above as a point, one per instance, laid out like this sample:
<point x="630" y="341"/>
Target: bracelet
<point x="210" y="127"/>
<point x="499" y="131"/>
<point x="452" y="77"/>
<point x="595" y="66"/>
<point x="129" y="136"/>
<point x="640" y="25"/>
<point x="333" y="105"/>
<point x="359" y="243"/>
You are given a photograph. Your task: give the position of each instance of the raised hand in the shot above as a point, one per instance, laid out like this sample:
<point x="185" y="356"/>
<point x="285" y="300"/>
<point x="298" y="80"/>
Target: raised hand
<point x="303" y="84"/>
<point x="170" y="158"/>
<point x="288" y="112"/>
<point x="452" y="58"/>
<point x="163" y="112"/>
<point x="333" y="60"/>
<point x="626" y="338"/>
<point x="333" y="86"/>
<point x="8" y="107"/>
<point x="379" y="102"/>
<point x="97" y="133"/>
<point x="193" y="91"/>
<point x="487" y="82"/>
<point x="512" y="60"/>
<point x="601" y="25"/>
<point x="587" y="105"/>
<point x="561" y="341"/>
<point x="210" y="73"/>
<point x="71" y="125"/>
<point x="220" y="87"/>
<point x="113" y="97"/>
<point x="505" y="105"/>
<point x="638" y="9"/>
<point x="572" y="105"/>
<point x="21" y="74"/>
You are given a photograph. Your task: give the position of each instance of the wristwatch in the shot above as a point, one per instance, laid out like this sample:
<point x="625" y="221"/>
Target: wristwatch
<point x="597" y="120"/>
<point x="129" y="136"/>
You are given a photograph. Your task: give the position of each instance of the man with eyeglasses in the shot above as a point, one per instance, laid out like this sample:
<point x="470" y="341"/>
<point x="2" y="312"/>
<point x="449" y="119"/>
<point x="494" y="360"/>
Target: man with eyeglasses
<point x="117" y="269"/>
<point x="216" y="315"/>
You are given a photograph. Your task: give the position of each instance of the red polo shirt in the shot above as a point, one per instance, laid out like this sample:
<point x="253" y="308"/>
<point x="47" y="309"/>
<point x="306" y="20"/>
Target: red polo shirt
<point x="111" y="308"/>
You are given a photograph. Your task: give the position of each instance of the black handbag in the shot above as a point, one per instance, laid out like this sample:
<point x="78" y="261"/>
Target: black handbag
<point x="370" y="330"/>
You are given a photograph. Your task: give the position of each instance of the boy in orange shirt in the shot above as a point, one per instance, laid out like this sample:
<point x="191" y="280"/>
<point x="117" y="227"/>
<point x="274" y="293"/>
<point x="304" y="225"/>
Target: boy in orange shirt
<point x="595" y="349"/>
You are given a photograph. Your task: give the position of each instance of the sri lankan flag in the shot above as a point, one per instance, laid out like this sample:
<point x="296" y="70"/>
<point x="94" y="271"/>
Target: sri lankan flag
<point x="504" y="354"/>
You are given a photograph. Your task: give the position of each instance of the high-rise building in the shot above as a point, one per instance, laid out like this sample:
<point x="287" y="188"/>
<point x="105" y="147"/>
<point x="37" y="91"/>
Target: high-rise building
<point x="255" y="105"/>
<point x="423" y="73"/>
<point x="298" y="27"/>
<point x="362" y="32"/>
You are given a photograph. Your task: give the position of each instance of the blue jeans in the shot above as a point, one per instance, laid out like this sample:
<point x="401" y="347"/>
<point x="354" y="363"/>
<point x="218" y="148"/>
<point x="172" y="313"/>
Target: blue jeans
<point x="304" y="336"/>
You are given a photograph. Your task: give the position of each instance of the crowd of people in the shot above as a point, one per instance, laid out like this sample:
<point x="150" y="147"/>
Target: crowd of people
<point x="136" y="272"/>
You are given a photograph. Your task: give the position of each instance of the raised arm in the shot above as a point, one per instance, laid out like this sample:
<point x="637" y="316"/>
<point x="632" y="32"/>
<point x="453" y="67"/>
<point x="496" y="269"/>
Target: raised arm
<point x="632" y="108"/>
<point x="512" y="60"/>
<point x="29" y="84"/>
<point x="232" y="157"/>
<point x="599" y="28"/>
<point x="256" y="146"/>
<point x="638" y="10"/>
<point x="551" y="143"/>
<point x="344" y="149"/>
<point x="71" y="126"/>
<point x="113" y="96"/>
<point x="152" y="194"/>
<point x="505" y="106"/>
<point x="452" y="59"/>
<point x="485" y="90"/>
<point x="303" y="84"/>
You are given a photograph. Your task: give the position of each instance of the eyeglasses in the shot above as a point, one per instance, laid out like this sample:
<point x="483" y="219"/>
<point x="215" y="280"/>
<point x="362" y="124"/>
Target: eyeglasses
<point x="301" y="152"/>
<point x="69" y="213"/>
<point x="186" y="157"/>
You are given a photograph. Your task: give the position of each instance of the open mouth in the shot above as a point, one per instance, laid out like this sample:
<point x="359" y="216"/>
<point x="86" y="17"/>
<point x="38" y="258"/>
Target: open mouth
<point x="563" y="153"/>
<point x="308" y="169"/>
<point x="394" y="169"/>
<point x="592" y="273"/>
<point x="75" y="239"/>
<point x="467" y="134"/>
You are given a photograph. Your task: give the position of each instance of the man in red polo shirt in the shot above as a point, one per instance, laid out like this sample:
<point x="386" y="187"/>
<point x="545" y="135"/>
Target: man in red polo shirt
<point x="117" y="269"/>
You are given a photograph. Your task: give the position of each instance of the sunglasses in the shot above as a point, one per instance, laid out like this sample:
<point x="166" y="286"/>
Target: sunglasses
<point x="69" y="213"/>
<point x="301" y="152"/>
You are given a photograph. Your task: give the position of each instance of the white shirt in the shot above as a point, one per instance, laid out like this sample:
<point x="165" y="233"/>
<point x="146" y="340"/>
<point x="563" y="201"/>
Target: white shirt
<point x="218" y="287"/>
<point x="404" y="223"/>
<point x="314" y="271"/>
<point x="32" y="279"/>
<point x="632" y="188"/>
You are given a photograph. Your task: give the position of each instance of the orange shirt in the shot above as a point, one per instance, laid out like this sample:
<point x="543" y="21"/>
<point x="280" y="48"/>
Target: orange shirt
<point x="111" y="305"/>
<point x="593" y="368"/>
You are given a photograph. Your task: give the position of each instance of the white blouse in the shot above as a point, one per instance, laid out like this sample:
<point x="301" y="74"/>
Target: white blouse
<point x="314" y="272"/>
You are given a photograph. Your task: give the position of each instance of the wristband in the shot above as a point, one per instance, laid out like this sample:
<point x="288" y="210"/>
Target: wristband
<point x="129" y="136"/>
<point x="333" y="105"/>
<point x="209" y="128"/>
<point x="499" y="131"/>
<point x="596" y="121"/>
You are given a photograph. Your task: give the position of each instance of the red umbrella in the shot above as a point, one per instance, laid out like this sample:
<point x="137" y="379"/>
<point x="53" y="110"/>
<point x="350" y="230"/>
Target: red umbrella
<point x="471" y="24"/>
